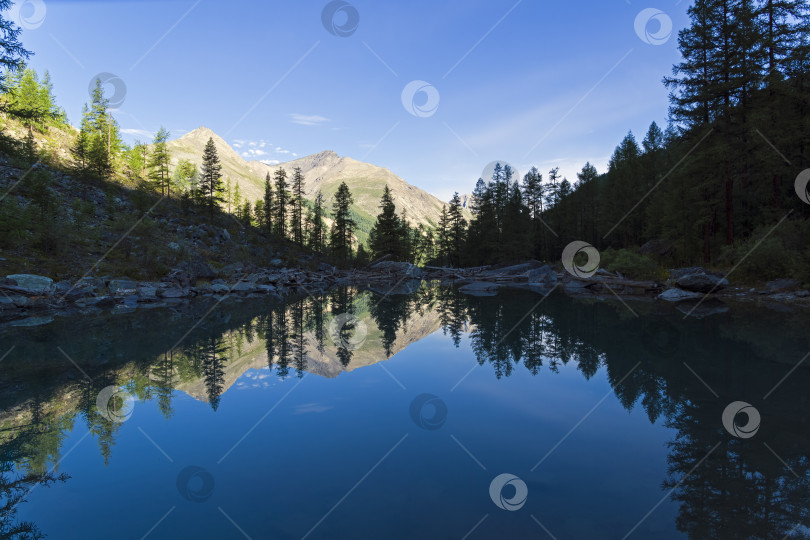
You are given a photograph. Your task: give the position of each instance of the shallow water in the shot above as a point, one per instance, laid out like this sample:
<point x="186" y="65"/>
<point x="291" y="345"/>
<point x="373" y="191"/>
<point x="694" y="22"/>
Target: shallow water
<point x="396" y="417"/>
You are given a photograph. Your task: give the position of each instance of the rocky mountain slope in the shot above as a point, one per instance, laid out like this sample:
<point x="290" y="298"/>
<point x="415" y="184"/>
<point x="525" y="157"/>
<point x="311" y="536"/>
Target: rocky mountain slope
<point x="323" y="172"/>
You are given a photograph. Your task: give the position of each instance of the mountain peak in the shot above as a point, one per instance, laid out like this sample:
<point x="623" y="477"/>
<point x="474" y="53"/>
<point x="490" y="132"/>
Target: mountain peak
<point x="202" y="133"/>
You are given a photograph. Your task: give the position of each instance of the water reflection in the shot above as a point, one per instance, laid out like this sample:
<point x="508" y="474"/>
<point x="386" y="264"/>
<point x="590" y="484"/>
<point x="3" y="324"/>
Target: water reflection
<point x="682" y="371"/>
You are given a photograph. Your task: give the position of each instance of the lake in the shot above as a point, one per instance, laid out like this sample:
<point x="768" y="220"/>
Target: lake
<point x="429" y="414"/>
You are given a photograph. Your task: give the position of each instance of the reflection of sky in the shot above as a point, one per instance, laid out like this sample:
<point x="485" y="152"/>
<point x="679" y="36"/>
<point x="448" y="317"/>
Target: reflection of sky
<point x="293" y="467"/>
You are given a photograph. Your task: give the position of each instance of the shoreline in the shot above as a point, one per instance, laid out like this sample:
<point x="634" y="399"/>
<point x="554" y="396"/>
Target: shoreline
<point x="32" y="300"/>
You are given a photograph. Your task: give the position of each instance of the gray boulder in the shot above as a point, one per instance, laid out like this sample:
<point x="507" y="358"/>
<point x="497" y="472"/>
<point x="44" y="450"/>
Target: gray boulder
<point x="173" y="292"/>
<point x="702" y="283"/>
<point x="220" y="288"/>
<point x="244" y="287"/>
<point x="544" y="276"/>
<point x="32" y="283"/>
<point x="781" y="285"/>
<point x="678" y="295"/>
<point x="122" y="286"/>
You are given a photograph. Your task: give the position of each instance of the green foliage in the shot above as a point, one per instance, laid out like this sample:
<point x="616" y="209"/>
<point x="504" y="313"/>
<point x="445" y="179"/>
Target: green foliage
<point x="159" y="162"/>
<point x="32" y="101"/>
<point x="631" y="264"/>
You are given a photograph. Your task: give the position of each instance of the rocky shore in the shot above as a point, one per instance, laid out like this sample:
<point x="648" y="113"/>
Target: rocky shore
<point x="694" y="291"/>
<point x="33" y="300"/>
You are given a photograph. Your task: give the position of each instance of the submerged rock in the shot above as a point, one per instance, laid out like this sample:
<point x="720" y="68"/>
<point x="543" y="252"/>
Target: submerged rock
<point x="480" y="288"/>
<point x="697" y="310"/>
<point x="32" y="321"/>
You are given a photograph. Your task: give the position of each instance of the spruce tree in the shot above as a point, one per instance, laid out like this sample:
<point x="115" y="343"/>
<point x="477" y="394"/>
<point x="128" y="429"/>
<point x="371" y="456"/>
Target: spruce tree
<point x="340" y="238"/>
<point x="269" y="205"/>
<point x="296" y="207"/>
<point x="317" y="226"/>
<point x="386" y="236"/>
<point x="211" y="178"/>
<point x="282" y="197"/>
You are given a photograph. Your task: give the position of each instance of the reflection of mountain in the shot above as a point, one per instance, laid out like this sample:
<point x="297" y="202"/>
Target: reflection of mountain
<point x="325" y="362"/>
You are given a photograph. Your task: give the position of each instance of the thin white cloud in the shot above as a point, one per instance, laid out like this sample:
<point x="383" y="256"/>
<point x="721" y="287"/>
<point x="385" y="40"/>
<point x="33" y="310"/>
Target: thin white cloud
<point x="308" y="119"/>
<point x="139" y="133"/>
<point x="270" y="161"/>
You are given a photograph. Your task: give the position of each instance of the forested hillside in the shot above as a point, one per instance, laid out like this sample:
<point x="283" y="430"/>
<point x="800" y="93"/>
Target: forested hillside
<point x="718" y="181"/>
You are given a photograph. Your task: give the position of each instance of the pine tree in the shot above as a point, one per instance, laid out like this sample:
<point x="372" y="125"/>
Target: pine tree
<point x="282" y="198"/>
<point x="340" y="238"/>
<point x="159" y="163"/>
<point x="296" y="207"/>
<point x="211" y="178"/>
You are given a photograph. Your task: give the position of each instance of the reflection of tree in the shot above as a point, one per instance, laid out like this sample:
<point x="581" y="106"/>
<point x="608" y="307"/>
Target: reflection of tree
<point x="342" y="302"/>
<point x="28" y="458"/>
<point x="213" y="350"/>
<point x="452" y="313"/>
<point x="281" y="334"/>
<point x="164" y="383"/>
<point x="316" y="320"/>
<point x="741" y="490"/>
<point x="299" y="351"/>
<point x="391" y="313"/>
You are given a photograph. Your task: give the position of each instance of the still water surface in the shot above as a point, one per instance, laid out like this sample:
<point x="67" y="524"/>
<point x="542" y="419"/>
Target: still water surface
<point x="348" y="415"/>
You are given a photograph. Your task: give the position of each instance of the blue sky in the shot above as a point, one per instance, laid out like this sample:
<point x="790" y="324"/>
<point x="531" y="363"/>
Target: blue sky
<point x="535" y="82"/>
